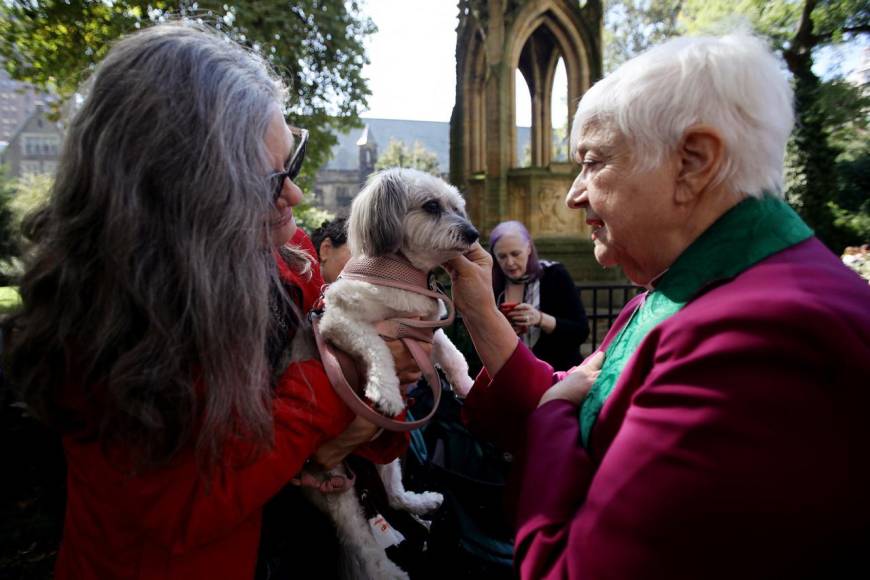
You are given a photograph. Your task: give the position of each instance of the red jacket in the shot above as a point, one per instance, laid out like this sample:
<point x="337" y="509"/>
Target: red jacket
<point x="166" y="523"/>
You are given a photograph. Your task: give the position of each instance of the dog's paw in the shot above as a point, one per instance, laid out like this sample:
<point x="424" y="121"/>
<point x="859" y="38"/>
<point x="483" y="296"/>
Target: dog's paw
<point x="462" y="385"/>
<point x="417" y="503"/>
<point x="386" y="397"/>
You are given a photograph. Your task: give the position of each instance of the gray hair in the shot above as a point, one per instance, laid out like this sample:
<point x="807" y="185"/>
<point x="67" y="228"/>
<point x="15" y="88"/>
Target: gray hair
<point x="732" y="83"/>
<point x="153" y="269"/>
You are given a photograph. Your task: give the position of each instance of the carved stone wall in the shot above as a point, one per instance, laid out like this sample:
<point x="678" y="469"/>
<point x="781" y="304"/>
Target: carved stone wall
<point x="496" y="40"/>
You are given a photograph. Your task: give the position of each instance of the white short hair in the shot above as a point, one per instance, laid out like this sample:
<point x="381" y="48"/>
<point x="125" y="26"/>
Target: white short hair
<point x="732" y="83"/>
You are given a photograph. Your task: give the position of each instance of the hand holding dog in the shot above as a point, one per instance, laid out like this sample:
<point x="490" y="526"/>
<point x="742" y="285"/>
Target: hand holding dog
<point x="576" y="385"/>
<point x="471" y="277"/>
<point x="333" y="452"/>
<point x="493" y="337"/>
<point x="406" y="367"/>
<point x="361" y="431"/>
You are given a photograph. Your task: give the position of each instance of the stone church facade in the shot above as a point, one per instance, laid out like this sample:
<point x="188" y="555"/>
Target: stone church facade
<point x="353" y="158"/>
<point x="496" y="40"/>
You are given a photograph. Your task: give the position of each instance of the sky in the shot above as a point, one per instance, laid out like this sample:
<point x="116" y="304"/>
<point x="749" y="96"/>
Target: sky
<point x="412" y="74"/>
<point x="412" y="70"/>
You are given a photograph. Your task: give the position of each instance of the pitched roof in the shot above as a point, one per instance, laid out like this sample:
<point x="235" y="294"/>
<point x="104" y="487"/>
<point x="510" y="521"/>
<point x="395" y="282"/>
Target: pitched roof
<point x="367" y="137"/>
<point x="38" y="114"/>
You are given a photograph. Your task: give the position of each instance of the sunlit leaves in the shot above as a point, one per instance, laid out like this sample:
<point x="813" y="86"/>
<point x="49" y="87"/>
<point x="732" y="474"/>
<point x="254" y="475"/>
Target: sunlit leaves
<point x="397" y="154"/>
<point x="315" y="45"/>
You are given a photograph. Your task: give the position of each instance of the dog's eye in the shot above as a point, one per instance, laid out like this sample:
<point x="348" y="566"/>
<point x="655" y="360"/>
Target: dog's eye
<point x="432" y="207"/>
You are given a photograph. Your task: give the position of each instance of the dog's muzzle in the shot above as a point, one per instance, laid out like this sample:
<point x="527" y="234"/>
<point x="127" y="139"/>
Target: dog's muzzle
<point x="469" y="234"/>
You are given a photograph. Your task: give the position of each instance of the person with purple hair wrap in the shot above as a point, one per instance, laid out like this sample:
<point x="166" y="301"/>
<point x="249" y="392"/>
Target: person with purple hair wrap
<point x="537" y="296"/>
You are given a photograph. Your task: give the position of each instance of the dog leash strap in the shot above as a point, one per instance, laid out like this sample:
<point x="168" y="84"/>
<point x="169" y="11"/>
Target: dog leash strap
<point x="428" y="369"/>
<point x="396" y="329"/>
<point x="350" y="398"/>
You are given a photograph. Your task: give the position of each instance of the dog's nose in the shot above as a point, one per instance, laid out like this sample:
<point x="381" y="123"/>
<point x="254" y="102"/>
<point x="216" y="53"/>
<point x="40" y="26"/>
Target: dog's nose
<point x="469" y="234"/>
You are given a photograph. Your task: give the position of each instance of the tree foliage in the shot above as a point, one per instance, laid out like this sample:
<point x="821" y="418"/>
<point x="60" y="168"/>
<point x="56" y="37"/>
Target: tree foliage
<point x="18" y="198"/>
<point x="315" y="45"/>
<point x="8" y="240"/>
<point x="31" y="191"/>
<point x="398" y="154"/>
<point x="309" y="217"/>
<point x="632" y="26"/>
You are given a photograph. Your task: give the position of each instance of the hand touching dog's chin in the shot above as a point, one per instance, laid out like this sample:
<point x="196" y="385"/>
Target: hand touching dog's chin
<point x="430" y="259"/>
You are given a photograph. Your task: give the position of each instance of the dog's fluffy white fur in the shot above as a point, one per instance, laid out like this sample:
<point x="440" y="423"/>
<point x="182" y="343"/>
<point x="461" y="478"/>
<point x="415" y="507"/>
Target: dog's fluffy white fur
<point x="421" y="216"/>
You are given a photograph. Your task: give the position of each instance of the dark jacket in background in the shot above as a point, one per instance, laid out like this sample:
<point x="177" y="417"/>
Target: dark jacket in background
<point x="559" y="298"/>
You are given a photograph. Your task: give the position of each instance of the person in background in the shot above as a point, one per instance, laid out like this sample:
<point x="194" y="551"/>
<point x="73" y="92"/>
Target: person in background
<point x="159" y="310"/>
<point x="330" y="240"/>
<point x="720" y="430"/>
<point x="538" y="297"/>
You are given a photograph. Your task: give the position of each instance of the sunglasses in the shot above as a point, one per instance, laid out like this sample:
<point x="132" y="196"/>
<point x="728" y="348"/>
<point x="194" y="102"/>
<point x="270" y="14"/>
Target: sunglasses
<point x="293" y="165"/>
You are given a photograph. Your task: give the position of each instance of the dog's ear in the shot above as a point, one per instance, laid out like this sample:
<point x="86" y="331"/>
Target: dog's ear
<point x="377" y="215"/>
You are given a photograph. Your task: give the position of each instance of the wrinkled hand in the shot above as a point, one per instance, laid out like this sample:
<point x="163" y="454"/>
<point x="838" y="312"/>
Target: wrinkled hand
<point x="361" y="431"/>
<point x="407" y="369"/>
<point x="471" y="275"/>
<point x="576" y="385"/>
<point x="333" y="452"/>
<point x="492" y="335"/>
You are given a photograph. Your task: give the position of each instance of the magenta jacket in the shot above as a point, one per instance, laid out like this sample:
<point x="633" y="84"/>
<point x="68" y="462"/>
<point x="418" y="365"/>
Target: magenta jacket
<point x="735" y="444"/>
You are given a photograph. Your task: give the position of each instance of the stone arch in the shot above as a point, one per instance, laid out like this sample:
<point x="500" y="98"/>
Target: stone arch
<point x="495" y="39"/>
<point x="474" y="78"/>
<point x="543" y="32"/>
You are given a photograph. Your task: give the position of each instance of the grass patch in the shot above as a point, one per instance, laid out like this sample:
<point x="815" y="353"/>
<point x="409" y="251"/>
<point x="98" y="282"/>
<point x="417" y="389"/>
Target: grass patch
<point x="9" y="299"/>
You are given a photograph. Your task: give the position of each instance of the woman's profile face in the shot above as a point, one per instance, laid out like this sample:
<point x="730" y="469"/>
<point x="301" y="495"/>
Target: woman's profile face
<point x="280" y="146"/>
<point x="512" y="254"/>
<point x="628" y="210"/>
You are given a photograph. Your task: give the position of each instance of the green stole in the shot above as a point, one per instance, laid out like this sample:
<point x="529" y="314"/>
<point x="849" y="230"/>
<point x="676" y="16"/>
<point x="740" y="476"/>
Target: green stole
<point x="748" y="233"/>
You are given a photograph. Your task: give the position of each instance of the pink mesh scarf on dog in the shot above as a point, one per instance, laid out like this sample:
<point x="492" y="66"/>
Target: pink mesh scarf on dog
<point x="394" y="271"/>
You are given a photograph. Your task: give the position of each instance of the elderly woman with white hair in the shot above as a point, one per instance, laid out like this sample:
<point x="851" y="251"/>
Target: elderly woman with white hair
<point x="718" y="432"/>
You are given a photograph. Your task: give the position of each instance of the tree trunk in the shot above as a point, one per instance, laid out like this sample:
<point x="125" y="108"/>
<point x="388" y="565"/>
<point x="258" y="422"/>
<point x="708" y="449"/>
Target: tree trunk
<point x="813" y="156"/>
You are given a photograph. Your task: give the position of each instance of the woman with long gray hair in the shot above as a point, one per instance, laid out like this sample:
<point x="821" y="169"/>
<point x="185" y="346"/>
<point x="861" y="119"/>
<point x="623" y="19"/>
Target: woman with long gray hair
<point x="156" y="321"/>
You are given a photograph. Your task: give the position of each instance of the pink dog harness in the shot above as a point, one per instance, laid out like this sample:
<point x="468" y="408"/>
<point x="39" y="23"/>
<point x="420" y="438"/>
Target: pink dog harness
<point x="394" y="271"/>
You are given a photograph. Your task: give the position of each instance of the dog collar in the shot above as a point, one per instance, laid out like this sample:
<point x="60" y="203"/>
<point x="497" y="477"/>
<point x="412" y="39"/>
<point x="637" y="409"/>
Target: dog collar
<point x="393" y="267"/>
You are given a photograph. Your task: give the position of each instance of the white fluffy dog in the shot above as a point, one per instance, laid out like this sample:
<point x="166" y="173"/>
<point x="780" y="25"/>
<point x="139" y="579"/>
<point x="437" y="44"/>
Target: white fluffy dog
<point x="420" y="217"/>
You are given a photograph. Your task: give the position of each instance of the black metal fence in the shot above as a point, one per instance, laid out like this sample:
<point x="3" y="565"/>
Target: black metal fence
<point x="603" y="302"/>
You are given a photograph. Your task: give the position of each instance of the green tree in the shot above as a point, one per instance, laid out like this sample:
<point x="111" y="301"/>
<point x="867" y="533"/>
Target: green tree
<point x="398" y="154"/>
<point x="309" y="217"/>
<point x="9" y="248"/>
<point x="18" y="198"/>
<point x="316" y="45"/>
<point x="31" y="192"/>
<point x="845" y="109"/>
<point x="632" y="26"/>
